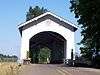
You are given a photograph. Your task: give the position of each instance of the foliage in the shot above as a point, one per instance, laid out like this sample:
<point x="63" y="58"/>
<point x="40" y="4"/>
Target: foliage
<point x="34" y="12"/>
<point x="8" y="58"/>
<point x="88" y="14"/>
<point x="33" y="54"/>
<point x="44" y="55"/>
<point x="81" y="61"/>
<point x="39" y="55"/>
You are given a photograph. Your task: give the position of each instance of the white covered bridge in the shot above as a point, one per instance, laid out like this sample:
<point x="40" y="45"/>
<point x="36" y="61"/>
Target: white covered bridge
<point x="48" y="30"/>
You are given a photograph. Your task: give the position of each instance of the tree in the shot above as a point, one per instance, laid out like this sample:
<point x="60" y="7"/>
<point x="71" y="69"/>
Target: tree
<point x="8" y="58"/>
<point x="34" y="12"/>
<point x="88" y="14"/>
<point x="44" y="55"/>
<point x="33" y="54"/>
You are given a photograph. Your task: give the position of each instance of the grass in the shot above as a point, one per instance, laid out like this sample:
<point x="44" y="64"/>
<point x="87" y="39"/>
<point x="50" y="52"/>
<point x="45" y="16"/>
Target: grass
<point x="10" y="68"/>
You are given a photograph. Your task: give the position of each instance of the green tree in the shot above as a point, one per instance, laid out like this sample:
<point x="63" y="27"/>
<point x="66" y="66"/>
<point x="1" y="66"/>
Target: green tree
<point x="44" y="55"/>
<point x="88" y="14"/>
<point x="34" y="12"/>
<point x="33" y="54"/>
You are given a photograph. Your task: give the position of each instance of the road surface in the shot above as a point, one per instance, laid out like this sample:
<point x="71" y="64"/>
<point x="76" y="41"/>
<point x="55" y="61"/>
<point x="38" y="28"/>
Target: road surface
<point x="49" y="69"/>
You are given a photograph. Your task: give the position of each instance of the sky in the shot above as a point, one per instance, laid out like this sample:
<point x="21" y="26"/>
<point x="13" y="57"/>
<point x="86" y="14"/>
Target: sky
<point x="13" y="12"/>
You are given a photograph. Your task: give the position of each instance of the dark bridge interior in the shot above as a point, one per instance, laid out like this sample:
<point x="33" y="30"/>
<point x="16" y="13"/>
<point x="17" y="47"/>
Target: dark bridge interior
<point x="53" y="42"/>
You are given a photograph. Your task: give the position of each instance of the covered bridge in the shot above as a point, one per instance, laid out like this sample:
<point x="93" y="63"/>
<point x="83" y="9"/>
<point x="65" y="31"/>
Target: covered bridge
<point x="48" y="30"/>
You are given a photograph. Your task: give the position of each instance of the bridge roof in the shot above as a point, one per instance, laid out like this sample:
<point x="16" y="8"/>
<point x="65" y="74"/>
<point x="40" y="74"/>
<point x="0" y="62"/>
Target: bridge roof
<point x="47" y="15"/>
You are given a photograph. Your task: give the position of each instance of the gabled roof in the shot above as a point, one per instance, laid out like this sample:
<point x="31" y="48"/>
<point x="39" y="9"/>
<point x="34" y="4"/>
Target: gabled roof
<point x="47" y="15"/>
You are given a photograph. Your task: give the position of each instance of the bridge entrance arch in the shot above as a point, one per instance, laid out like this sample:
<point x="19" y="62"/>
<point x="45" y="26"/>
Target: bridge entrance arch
<point x="52" y="40"/>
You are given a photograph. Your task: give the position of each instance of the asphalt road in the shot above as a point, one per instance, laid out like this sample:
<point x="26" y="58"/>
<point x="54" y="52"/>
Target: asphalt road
<point x="49" y="69"/>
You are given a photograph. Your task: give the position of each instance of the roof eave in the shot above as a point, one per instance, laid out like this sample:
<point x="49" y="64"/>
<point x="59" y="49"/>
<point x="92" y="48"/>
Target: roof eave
<point x="20" y="26"/>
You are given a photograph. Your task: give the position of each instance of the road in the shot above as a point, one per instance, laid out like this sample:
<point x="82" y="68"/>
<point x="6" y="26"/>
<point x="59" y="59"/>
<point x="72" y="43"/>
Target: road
<point x="49" y="69"/>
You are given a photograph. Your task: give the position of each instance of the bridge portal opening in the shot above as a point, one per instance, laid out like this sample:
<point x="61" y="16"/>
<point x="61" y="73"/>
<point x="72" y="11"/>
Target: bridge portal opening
<point x="47" y="47"/>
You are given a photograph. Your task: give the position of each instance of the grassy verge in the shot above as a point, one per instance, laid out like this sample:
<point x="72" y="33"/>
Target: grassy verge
<point x="10" y="68"/>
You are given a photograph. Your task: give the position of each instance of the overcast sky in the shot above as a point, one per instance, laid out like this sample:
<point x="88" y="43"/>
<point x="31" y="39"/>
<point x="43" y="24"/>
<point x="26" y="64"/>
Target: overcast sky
<point x="13" y="12"/>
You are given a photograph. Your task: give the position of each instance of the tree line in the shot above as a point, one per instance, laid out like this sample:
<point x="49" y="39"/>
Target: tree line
<point x="8" y="58"/>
